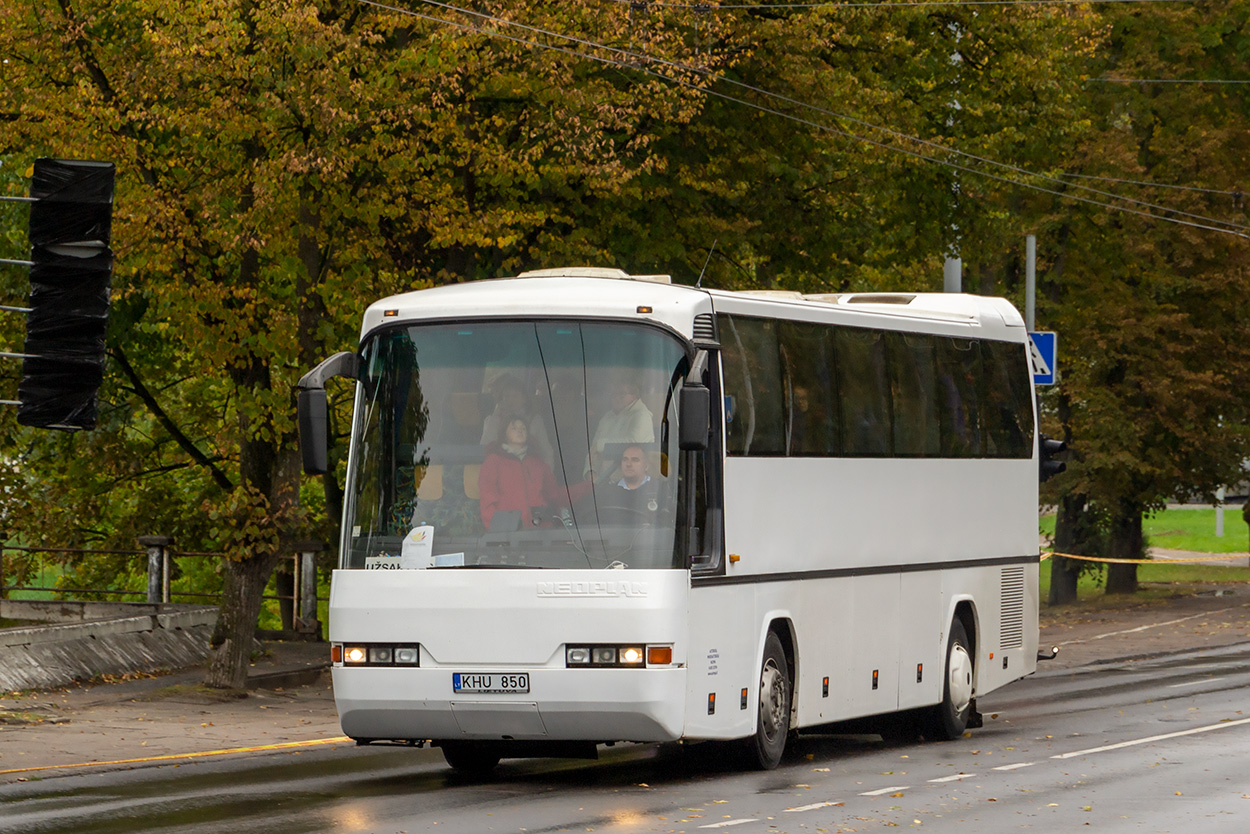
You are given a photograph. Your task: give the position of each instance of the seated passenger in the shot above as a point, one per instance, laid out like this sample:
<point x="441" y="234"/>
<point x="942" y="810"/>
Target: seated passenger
<point x="628" y="421"/>
<point x="510" y="400"/>
<point x="514" y="479"/>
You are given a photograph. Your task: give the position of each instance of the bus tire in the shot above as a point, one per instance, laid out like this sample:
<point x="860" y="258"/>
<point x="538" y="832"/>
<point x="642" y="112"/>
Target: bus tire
<point x="949" y="719"/>
<point x="471" y="758"/>
<point x="764" y="749"/>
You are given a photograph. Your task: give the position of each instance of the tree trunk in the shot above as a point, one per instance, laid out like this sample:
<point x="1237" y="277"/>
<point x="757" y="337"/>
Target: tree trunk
<point x="1126" y="543"/>
<point x="1245" y="513"/>
<point x="1070" y="523"/>
<point x="234" y="635"/>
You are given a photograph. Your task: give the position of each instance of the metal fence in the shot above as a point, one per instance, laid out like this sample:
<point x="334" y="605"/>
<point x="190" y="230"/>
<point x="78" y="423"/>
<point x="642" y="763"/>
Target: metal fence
<point x="298" y="608"/>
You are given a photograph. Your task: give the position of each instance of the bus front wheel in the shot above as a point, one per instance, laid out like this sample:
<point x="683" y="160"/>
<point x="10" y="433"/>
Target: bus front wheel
<point x="468" y="757"/>
<point x="949" y="719"/>
<point x="769" y="742"/>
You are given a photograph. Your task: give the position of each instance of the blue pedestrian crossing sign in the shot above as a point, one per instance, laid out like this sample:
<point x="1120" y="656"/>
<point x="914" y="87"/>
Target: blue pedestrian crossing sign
<point x="1044" y="350"/>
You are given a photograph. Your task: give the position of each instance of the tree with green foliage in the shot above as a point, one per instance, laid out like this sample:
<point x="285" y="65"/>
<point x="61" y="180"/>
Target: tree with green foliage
<point x="1152" y="314"/>
<point x="281" y="164"/>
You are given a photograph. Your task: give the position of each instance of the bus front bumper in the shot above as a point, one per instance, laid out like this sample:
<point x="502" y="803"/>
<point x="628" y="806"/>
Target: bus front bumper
<point x="596" y="705"/>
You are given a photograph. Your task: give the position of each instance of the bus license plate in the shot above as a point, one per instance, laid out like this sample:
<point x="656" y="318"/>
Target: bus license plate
<point x="487" y="683"/>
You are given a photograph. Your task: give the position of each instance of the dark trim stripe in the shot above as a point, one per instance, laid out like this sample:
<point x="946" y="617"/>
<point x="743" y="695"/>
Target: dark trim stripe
<point x="870" y="570"/>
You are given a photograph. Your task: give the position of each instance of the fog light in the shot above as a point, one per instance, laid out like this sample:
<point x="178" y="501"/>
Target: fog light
<point x="355" y="654"/>
<point x="631" y="655"/>
<point x="603" y="654"/>
<point x="577" y="656"/>
<point x="406" y="655"/>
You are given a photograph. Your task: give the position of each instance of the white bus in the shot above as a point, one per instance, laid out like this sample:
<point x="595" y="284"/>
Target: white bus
<point x="838" y="518"/>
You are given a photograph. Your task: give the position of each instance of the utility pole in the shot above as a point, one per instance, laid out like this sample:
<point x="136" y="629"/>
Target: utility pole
<point x="1030" y="281"/>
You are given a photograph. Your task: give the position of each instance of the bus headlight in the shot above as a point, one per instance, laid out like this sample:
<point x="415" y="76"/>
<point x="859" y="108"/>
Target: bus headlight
<point x="631" y="655"/>
<point x="375" y="654"/>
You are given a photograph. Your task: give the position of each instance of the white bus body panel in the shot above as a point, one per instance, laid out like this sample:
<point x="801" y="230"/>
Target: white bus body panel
<point x="867" y="561"/>
<point x="507" y="621"/>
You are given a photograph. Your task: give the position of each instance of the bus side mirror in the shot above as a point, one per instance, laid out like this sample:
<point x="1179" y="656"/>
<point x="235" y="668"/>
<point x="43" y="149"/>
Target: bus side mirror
<point x="694" y="407"/>
<point x="314" y="413"/>
<point x="314" y="434"/>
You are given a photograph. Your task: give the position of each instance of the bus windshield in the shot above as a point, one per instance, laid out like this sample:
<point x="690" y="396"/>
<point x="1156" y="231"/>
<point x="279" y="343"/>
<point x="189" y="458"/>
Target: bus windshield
<point x="516" y="444"/>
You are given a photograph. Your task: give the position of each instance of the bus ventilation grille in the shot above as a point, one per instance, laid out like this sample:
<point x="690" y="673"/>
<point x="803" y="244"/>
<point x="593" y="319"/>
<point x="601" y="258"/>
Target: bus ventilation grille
<point x="705" y="327"/>
<point x="1011" y="628"/>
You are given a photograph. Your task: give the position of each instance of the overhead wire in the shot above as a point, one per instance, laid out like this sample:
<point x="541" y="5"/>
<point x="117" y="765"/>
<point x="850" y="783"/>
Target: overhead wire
<point x="1169" y="80"/>
<point x="1226" y="227"/>
<point x="709" y="7"/>
<point x="1148" y="184"/>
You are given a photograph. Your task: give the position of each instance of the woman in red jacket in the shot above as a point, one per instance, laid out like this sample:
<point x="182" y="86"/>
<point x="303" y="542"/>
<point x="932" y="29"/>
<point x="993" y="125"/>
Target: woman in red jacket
<point x="514" y="479"/>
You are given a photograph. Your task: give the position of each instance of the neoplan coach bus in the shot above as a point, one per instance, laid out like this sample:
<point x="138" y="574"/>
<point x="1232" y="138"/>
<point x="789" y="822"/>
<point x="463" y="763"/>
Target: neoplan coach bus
<point x="838" y="517"/>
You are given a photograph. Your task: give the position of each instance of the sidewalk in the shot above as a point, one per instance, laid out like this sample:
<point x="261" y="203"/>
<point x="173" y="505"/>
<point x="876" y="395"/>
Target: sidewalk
<point x="289" y="700"/>
<point x="131" y="723"/>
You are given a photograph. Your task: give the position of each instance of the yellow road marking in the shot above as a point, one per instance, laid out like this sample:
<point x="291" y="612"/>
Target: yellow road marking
<point x="286" y="745"/>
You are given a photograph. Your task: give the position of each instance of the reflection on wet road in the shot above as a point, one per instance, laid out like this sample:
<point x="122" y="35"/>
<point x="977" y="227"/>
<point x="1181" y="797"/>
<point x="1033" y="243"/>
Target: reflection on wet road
<point x="1057" y="751"/>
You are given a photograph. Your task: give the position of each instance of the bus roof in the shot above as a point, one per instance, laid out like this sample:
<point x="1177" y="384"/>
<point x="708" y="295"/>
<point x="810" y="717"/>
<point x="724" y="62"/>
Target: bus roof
<point x="603" y="293"/>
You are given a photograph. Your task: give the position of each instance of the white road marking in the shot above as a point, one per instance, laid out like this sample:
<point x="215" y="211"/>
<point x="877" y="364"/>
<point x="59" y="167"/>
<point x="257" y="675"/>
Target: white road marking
<point x="811" y="807"/>
<point x="1015" y="766"/>
<point x="1155" y="625"/>
<point x="728" y="823"/>
<point x="954" y="778"/>
<point x="886" y="790"/>
<point x="1195" y="683"/>
<point x="1221" y="726"/>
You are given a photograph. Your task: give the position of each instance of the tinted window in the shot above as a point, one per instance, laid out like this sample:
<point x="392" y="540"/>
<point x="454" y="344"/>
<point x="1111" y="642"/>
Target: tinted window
<point x="958" y="366"/>
<point x="810" y="395"/>
<point x="753" y="386"/>
<point x="807" y="389"/>
<point x="1007" y="404"/>
<point x="914" y="393"/>
<point x="864" y="389"/>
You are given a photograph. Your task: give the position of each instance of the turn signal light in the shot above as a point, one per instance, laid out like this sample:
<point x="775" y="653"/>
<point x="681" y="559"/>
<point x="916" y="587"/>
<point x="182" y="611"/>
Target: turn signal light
<point x="659" y="655"/>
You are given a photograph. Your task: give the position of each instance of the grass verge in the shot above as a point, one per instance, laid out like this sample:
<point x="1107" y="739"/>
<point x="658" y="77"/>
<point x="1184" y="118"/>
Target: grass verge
<point x="1186" y="528"/>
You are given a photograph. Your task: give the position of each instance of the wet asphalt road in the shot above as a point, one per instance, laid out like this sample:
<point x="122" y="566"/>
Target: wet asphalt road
<point x="1154" y="745"/>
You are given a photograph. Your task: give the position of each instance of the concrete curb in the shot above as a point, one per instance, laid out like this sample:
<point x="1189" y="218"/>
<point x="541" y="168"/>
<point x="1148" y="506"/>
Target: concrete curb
<point x="44" y="657"/>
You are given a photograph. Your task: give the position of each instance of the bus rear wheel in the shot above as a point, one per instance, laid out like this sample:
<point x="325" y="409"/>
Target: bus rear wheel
<point x="949" y="719"/>
<point x="769" y="742"/>
<point x="470" y="757"/>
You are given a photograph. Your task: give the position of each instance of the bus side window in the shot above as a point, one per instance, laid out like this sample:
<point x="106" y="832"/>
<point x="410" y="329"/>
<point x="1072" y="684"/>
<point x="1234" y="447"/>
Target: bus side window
<point x="1006" y="401"/>
<point x="863" y="384"/>
<point x="913" y="385"/>
<point x="812" y="425"/>
<point x="959" y="365"/>
<point x="753" y="378"/>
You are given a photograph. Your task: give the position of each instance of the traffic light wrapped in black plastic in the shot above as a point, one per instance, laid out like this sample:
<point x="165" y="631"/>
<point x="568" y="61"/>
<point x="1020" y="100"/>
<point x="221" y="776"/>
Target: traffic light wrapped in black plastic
<point x="70" y="231"/>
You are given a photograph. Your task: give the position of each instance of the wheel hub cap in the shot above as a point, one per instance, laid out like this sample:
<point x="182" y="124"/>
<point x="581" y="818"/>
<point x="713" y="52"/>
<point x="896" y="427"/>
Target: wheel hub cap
<point x="960" y="678"/>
